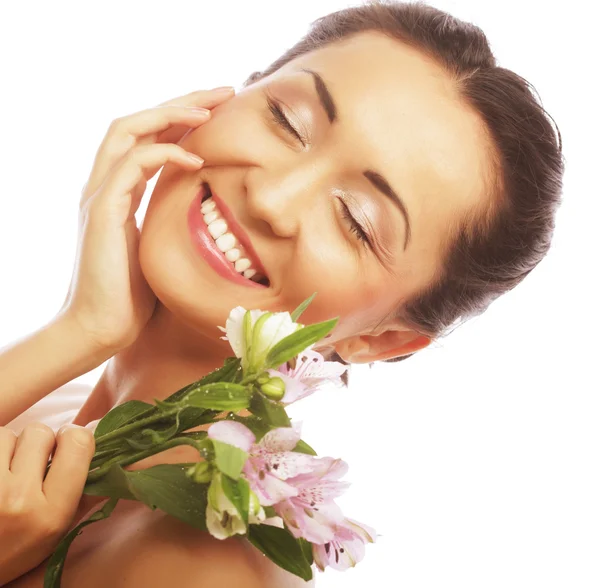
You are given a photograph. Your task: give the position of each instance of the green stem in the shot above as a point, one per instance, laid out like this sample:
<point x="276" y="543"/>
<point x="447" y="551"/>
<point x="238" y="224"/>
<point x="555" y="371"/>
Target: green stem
<point x="124" y="460"/>
<point x="122" y="431"/>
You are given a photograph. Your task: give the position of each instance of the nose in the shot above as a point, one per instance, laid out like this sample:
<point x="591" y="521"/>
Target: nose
<point x="285" y="198"/>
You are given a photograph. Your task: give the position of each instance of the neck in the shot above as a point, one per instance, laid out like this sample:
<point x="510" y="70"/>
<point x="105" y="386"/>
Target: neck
<point x="167" y="356"/>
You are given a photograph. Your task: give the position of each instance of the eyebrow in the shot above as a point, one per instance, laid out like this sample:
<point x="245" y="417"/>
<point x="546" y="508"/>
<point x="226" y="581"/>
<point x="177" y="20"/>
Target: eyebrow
<point x="327" y="102"/>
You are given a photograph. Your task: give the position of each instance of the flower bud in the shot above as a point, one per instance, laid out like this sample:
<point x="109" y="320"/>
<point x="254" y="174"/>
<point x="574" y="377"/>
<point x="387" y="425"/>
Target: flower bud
<point x="201" y="472"/>
<point x="263" y="378"/>
<point x="273" y="389"/>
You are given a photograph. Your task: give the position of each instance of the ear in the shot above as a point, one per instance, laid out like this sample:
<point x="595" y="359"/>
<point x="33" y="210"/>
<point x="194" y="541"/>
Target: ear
<point x="388" y="344"/>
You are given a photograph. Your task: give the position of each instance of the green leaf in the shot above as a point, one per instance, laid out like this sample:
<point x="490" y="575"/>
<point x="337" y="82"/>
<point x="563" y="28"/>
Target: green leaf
<point x="229" y="459"/>
<point x="293" y="344"/>
<point x="247" y="336"/>
<point x="114" y="484"/>
<point x="257" y="425"/>
<point x="268" y="411"/>
<point x="227" y="373"/>
<point x="196" y="435"/>
<point x="301" y="308"/>
<point x="220" y="396"/>
<point x="56" y="562"/>
<point x="191" y="417"/>
<point x="157" y="436"/>
<point x="253" y="360"/>
<point x="307" y="550"/>
<point x="164" y="486"/>
<point x="238" y="492"/>
<point x="282" y="548"/>
<point x="122" y="415"/>
<point x="304" y="447"/>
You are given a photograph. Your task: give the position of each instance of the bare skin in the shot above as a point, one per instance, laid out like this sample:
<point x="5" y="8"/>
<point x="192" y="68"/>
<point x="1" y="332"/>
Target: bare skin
<point x="398" y="113"/>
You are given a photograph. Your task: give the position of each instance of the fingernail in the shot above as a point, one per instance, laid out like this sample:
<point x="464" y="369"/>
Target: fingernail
<point x="79" y="435"/>
<point x="195" y="158"/>
<point x="224" y="89"/>
<point x="92" y="425"/>
<point x="199" y="110"/>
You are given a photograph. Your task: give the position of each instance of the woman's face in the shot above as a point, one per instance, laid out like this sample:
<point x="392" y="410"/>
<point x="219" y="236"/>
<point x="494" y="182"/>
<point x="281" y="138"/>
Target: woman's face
<point x="397" y="116"/>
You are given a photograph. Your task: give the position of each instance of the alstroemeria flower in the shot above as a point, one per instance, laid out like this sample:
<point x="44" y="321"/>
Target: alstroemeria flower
<point x="271" y="461"/>
<point x="222" y="517"/>
<point x="306" y="373"/>
<point x="346" y="548"/>
<point x="275" y="328"/>
<point x="313" y="514"/>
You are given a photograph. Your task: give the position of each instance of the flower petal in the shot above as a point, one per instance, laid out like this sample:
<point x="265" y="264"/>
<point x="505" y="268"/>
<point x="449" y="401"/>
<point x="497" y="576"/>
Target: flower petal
<point x="214" y="520"/>
<point x="234" y="328"/>
<point x="289" y="464"/>
<point x="213" y="524"/>
<point x="280" y="439"/>
<point x="320" y="556"/>
<point x="235" y="331"/>
<point x="313" y="528"/>
<point x="277" y="327"/>
<point x="274" y="522"/>
<point x="366" y="533"/>
<point x="232" y="433"/>
<point x="269" y="489"/>
<point x="294" y="389"/>
<point x="325" y="470"/>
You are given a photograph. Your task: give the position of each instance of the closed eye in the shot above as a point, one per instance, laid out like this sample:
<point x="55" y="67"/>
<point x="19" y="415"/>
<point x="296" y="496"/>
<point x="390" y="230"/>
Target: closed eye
<point x="282" y="120"/>
<point x="355" y="227"/>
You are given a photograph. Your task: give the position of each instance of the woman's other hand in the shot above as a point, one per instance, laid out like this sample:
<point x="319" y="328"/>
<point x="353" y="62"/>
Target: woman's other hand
<point x="108" y="295"/>
<point x="36" y="512"/>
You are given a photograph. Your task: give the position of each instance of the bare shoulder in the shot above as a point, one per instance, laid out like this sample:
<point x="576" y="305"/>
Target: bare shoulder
<point x="148" y="548"/>
<point x="210" y="562"/>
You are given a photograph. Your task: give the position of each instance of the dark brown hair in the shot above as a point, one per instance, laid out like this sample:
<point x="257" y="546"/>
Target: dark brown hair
<point x="491" y="251"/>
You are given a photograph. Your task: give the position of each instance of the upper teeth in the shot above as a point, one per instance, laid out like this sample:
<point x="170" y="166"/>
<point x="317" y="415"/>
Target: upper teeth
<point x="226" y="241"/>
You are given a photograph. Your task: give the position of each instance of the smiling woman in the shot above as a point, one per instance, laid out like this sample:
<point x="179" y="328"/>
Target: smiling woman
<point x="385" y="161"/>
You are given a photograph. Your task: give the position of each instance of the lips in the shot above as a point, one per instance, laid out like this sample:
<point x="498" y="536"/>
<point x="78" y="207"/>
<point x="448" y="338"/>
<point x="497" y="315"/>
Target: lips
<point x="237" y="230"/>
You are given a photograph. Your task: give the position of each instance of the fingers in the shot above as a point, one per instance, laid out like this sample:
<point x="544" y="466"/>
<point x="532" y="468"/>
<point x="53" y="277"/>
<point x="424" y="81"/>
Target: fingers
<point x="30" y="458"/>
<point x="205" y="98"/>
<point x="8" y="441"/>
<point x="124" y="134"/>
<point x="143" y="127"/>
<point x="68" y="472"/>
<point x="140" y="164"/>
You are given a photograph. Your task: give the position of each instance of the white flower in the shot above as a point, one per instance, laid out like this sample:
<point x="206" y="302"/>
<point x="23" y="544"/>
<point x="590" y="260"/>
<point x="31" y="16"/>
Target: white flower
<point x="253" y="347"/>
<point x="222" y="518"/>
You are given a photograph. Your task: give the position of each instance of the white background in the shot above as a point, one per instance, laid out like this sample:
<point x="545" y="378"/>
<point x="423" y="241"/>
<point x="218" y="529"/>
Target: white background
<point x="477" y="459"/>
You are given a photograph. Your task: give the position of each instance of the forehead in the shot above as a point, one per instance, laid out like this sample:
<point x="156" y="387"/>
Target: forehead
<point x="401" y="115"/>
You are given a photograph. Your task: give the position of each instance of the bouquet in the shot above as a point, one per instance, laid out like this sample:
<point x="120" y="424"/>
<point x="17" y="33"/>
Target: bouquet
<point x="255" y="476"/>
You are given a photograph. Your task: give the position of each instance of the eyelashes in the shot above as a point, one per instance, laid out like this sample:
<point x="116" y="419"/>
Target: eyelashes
<point x="280" y="119"/>
<point x="355" y="227"/>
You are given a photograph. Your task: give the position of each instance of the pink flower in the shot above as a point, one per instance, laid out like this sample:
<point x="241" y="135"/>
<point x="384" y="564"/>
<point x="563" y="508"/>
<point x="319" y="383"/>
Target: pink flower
<point x="306" y="373"/>
<point x="232" y="433"/>
<point x="347" y="547"/>
<point x="312" y="514"/>
<point x="271" y="461"/>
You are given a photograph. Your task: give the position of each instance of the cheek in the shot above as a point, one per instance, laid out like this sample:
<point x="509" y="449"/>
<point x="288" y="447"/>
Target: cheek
<point x="331" y="272"/>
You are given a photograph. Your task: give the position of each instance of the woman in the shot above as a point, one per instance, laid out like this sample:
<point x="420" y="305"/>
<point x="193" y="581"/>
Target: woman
<point x="384" y="161"/>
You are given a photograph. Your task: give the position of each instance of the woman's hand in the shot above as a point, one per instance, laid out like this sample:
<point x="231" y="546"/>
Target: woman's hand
<point x="108" y="295"/>
<point x="35" y="513"/>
